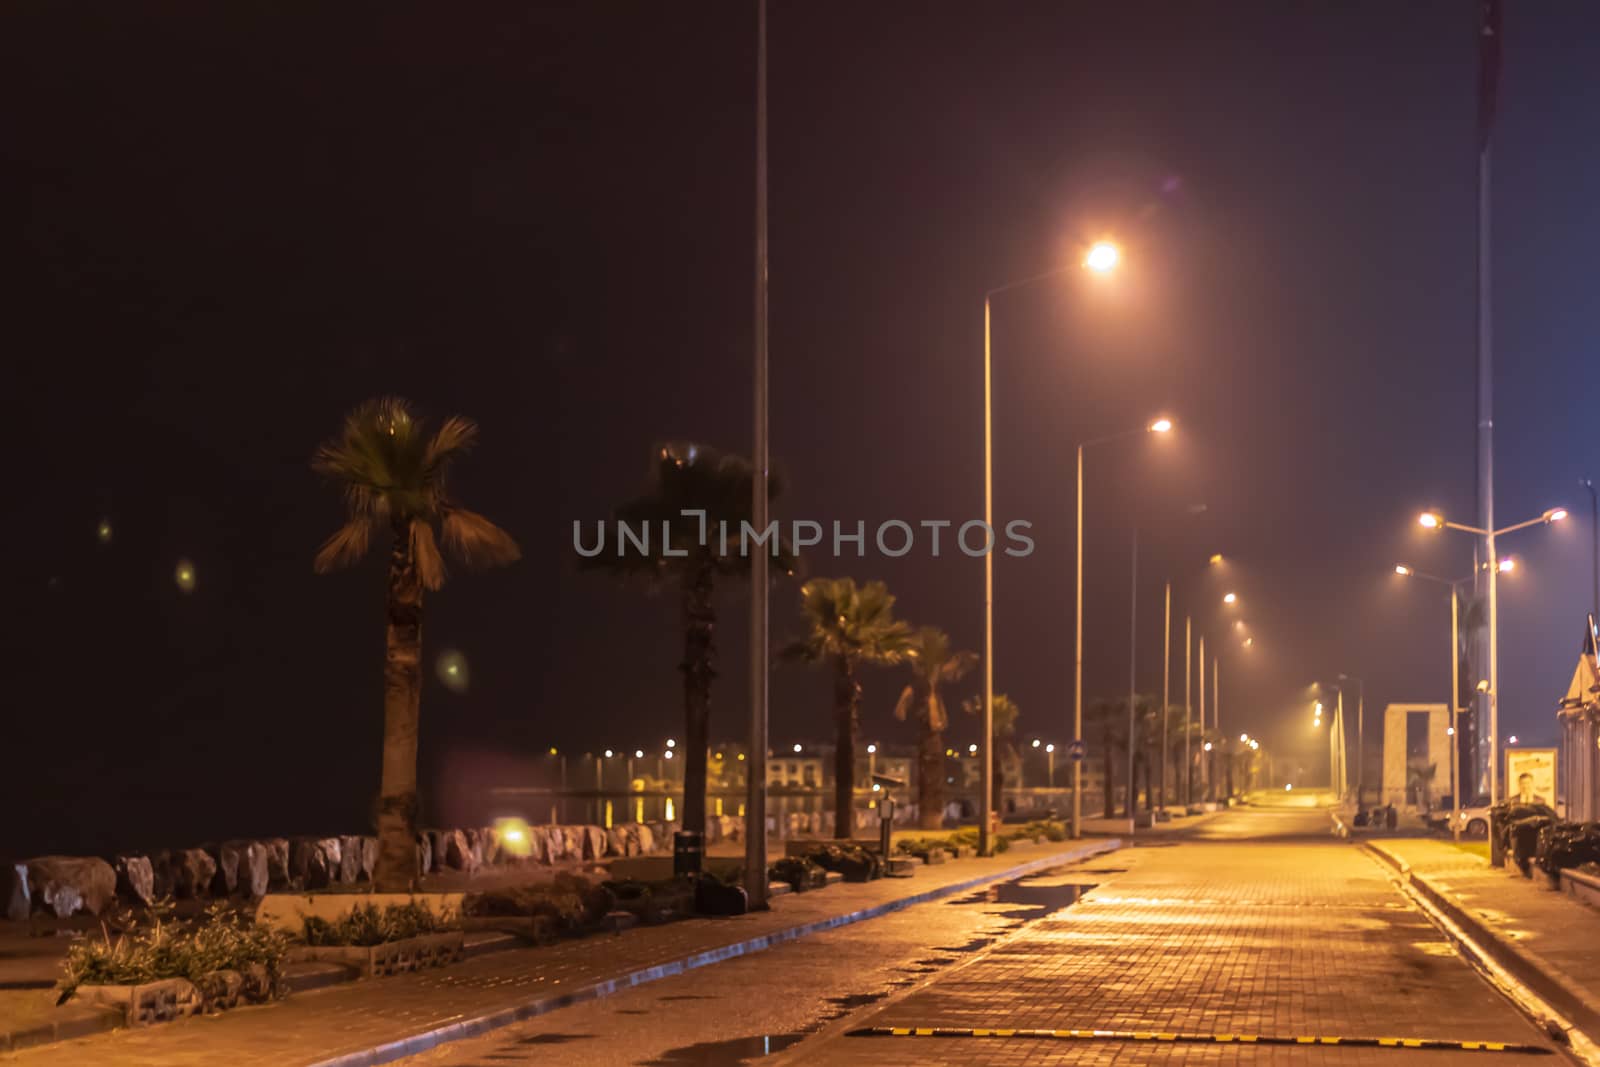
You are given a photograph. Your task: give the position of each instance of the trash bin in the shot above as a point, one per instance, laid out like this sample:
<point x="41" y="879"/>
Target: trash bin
<point x="688" y="852"/>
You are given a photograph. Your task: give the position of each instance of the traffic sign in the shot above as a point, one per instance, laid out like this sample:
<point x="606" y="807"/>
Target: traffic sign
<point x="1075" y="750"/>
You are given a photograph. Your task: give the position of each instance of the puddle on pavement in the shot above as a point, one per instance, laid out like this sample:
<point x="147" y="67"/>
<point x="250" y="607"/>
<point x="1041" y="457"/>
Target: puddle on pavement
<point x="936" y="961"/>
<point x="552" y="1039"/>
<point x="855" y="1000"/>
<point x="728" y="1053"/>
<point x="971" y="946"/>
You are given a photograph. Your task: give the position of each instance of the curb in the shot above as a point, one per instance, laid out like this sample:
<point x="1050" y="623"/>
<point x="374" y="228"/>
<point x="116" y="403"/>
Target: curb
<point x="73" y="1026"/>
<point x="390" y="1051"/>
<point x="1571" y="1000"/>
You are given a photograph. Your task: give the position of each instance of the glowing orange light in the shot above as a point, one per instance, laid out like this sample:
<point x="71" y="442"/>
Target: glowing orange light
<point x="184" y="576"/>
<point x="1430" y="520"/>
<point x="1102" y="257"/>
<point x="1161" y="425"/>
<point x="1401" y="568"/>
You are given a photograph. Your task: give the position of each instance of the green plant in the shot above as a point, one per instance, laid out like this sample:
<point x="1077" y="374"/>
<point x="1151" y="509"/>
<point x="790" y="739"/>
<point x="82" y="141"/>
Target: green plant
<point x="368" y="925"/>
<point x="159" y="948"/>
<point x="568" y="901"/>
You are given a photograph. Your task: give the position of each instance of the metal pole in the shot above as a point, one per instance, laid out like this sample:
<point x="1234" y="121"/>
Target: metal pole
<point x="1188" y="720"/>
<point x="1455" y="720"/>
<point x="1489" y="61"/>
<point x="1361" y="739"/>
<point x="986" y="801"/>
<point x="755" y="809"/>
<point x="1077" y="668"/>
<point x="1133" y="650"/>
<point x="1166" y="690"/>
<point x="1216" y="702"/>
<point x="1339" y="759"/>
<point x="1205" y="760"/>
<point x="1594" y="536"/>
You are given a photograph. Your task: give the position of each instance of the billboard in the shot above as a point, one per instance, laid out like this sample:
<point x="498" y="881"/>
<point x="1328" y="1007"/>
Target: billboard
<point x="1531" y="776"/>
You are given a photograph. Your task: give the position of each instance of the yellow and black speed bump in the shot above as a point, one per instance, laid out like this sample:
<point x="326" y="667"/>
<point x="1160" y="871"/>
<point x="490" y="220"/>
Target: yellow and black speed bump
<point x="1205" y="1039"/>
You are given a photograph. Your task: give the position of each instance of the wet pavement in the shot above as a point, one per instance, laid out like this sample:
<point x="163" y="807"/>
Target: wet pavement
<point x="1257" y="924"/>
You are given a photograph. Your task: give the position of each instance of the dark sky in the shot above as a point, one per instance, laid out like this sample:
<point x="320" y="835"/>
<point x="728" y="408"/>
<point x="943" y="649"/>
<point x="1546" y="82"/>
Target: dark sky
<point x="230" y="223"/>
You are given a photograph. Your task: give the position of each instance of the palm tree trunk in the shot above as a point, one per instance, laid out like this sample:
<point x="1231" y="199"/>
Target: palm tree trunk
<point x="846" y="704"/>
<point x="699" y="657"/>
<point x="1109" y="793"/>
<point x="930" y="774"/>
<point x="396" y="869"/>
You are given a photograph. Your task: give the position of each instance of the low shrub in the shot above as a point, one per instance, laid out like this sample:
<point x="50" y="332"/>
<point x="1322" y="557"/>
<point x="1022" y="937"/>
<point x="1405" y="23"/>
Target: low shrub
<point x="856" y="864"/>
<point x="367" y="925"/>
<point x="158" y="948"/>
<point x="569" y="902"/>
<point x="799" y="871"/>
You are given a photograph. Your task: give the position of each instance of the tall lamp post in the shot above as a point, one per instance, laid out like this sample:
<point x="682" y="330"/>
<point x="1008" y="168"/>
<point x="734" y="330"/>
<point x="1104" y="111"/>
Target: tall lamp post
<point x="1361" y="731"/>
<point x="1433" y="520"/>
<point x="1161" y="425"/>
<point x="1594" y="539"/>
<point x="1102" y="258"/>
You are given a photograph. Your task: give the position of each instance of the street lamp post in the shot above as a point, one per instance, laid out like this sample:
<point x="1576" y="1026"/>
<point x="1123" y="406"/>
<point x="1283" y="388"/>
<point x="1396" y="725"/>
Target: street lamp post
<point x="1188" y="722"/>
<point x="1166" y="689"/>
<point x="1432" y="520"/>
<point x="1361" y="715"/>
<point x="1102" y="258"/>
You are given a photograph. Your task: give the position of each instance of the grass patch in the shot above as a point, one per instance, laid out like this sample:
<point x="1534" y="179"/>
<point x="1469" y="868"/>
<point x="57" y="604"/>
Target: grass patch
<point x="1477" y="848"/>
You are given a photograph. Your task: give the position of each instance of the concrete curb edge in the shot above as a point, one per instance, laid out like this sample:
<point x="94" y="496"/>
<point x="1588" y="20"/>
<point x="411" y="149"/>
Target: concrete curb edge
<point x="1575" y="1003"/>
<point x="542" y="1005"/>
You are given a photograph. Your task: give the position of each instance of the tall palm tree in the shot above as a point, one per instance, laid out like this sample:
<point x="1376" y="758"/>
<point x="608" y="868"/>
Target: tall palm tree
<point x="393" y="474"/>
<point x="689" y="554"/>
<point x="933" y="664"/>
<point x="1004" y="750"/>
<point x="1109" y="718"/>
<point x="850" y="627"/>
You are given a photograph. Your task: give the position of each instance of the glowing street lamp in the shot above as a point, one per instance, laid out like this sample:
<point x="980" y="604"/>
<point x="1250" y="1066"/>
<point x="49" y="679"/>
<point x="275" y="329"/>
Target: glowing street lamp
<point x="1161" y="425"/>
<point x="1435" y="520"/>
<point x="1230" y="598"/>
<point x="1102" y="257"/>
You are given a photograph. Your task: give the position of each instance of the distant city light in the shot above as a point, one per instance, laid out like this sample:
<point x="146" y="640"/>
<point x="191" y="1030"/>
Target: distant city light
<point x="1402" y="569"/>
<point x="668" y="753"/>
<point x="1216" y="558"/>
<point x="553" y="750"/>
<point x="973" y="749"/>
<point x="184" y="576"/>
<point x="1035" y="742"/>
<point x="1556" y="514"/>
<point x="1449" y="731"/>
<point x="1050" y="748"/>
<point x="1230" y="598"/>
<point x="1244" y="739"/>
<point x="1162" y="425"/>
<point x="1207" y="746"/>
<point x="1430" y="520"/>
<point x="741" y="757"/>
<point x="876" y="787"/>
<point x="1288" y="786"/>
<point x="103" y="531"/>
<point x="797" y="748"/>
<point x="673" y="744"/>
<point x="871" y="749"/>
<point x="1507" y="565"/>
<point x="1512" y="739"/>
<point x="451" y="670"/>
<point x="638" y="753"/>
<point x="609" y="753"/>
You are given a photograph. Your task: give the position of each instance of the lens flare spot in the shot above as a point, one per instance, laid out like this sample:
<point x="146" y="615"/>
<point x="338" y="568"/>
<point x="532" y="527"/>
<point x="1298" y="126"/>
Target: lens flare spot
<point x="102" y="532"/>
<point x="514" y="837"/>
<point x="452" y="670"/>
<point x="184" y="576"/>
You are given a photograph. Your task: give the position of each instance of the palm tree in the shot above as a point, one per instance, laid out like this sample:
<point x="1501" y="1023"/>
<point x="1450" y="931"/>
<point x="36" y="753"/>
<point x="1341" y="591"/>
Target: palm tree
<point x="393" y="475"/>
<point x="1110" y="717"/>
<point x="689" y="553"/>
<point x="933" y="664"/>
<point x="850" y="627"/>
<point x="1003" y="751"/>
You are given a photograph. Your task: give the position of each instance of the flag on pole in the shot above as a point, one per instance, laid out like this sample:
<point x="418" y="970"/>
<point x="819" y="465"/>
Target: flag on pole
<point x="1488" y="69"/>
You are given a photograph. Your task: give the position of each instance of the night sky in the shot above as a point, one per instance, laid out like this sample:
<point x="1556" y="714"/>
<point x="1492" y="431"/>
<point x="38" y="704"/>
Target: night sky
<point x="228" y="224"/>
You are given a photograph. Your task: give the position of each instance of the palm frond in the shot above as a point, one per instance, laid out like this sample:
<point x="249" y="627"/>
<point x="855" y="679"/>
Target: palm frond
<point x="902" y="707"/>
<point x="347" y="545"/>
<point x="425" y="551"/>
<point x="456" y="437"/>
<point x="476" y="541"/>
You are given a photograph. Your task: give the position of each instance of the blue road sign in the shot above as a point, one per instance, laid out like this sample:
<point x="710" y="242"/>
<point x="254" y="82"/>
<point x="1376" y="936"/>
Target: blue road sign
<point x="1075" y="749"/>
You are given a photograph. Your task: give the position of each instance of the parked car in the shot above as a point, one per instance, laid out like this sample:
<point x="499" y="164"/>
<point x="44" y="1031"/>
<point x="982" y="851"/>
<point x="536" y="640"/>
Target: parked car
<point x="1474" y="821"/>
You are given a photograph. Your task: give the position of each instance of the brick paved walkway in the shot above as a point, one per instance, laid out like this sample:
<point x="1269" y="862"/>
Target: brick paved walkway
<point x="315" y="1026"/>
<point x="1268" y="938"/>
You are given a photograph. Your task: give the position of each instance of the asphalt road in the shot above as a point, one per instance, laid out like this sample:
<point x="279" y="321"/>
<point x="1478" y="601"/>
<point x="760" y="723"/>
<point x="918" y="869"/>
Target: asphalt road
<point x="1256" y="924"/>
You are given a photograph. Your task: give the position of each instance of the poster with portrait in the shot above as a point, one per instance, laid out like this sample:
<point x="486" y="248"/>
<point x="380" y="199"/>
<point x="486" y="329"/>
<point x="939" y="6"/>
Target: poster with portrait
<point x="1531" y="776"/>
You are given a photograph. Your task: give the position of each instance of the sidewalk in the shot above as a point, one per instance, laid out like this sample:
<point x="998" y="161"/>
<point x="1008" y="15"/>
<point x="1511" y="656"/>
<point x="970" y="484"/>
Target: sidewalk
<point x="379" y="1021"/>
<point x="1547" y="940"/>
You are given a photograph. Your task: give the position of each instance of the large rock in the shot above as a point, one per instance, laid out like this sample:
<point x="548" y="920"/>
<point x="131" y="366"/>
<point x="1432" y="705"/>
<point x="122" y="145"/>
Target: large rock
<point x="647" y="839"/>
<point x="165" y="883"/>
<point x="369" y="857"/>
<point x="349" y="865"/>
<point x="616" y="842"/>
<point x="192" y="872"/>
<point x="66" y="885"/>
<point x="277" y="862"/>
<point x="458" y="852"/>
<point x="538" y="844"/>
<point x="313" y="861"/>
<point x="594" y="842"/>
<point x="424" y="853"/>
<point x="254" y="870"/>
<point x="14" y="896"/>
<point x="494" y="849"/>
<point x="226" y="856"/>
<point x="136" y="879"/>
